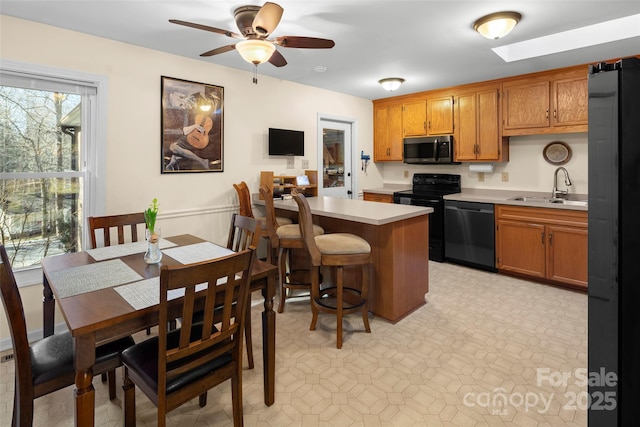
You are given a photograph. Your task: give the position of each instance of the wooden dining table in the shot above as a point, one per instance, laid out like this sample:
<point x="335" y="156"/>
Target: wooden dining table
<point x="100" y="315"/>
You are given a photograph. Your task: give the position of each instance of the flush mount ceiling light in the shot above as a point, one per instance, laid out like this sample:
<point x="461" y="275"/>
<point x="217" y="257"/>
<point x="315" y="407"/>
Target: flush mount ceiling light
<point x="391" y="83"/>
<point x="497" y="25"/>
<point x="255" y="51"/>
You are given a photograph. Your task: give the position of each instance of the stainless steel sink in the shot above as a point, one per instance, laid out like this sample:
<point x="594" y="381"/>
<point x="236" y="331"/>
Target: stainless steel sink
<point x="528" y="199"/>
<point x="549" y="200"/>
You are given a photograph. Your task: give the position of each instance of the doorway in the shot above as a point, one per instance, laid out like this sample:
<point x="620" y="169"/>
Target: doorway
<point x="335" y="154"/>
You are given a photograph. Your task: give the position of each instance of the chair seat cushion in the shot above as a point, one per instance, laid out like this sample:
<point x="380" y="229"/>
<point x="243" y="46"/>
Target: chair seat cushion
<point x="342" y="244"/>
<point x="143" y="358"/>
<point x="292" y="231"/>
<point x="279" y="219"/>
<point x="52" y="357"/>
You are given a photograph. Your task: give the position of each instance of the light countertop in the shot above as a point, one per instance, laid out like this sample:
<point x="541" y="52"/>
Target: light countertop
<point x="353" y="210"/>
<point x="388" y="188"/>
<point x="501" y="197"/>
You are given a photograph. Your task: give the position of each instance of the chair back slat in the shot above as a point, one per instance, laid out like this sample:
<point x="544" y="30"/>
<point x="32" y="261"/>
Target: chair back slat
<point x="272" y="223"/>
<point x="14" y="310"/>
<point x="244" y="198"/>
<point x="243" y="233"/>
<point x="104" y="224"/>
<point x="306" y="228"/>
<point x="227" y="279"/>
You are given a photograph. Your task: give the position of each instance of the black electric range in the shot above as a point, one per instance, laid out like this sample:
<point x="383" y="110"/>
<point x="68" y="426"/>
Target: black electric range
<point x="428" y="190"/>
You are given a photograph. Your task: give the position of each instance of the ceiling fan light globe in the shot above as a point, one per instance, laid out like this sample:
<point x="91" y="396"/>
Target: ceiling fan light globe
<point x="255" y="51"/>
<point x="497" y="25"/>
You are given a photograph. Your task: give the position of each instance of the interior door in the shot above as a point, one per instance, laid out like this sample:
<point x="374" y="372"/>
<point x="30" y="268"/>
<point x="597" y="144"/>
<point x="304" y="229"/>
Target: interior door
<point x="335" y="155"/>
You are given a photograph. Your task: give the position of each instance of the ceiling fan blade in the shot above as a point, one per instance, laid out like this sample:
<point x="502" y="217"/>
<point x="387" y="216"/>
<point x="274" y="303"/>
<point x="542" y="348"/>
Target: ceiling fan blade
<point x="207" y="28"/>
<point x="277" y="59"/>
<point x="219" y="50"/>
<point x="267" y="19"/>
<point x="304" y="42"/>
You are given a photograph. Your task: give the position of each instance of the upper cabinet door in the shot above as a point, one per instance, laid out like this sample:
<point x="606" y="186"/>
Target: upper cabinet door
<point x="525" y="105"/>
<point x="414" y="118"/>
<point x="440" y="116"/>
<point x="570" y="102"/>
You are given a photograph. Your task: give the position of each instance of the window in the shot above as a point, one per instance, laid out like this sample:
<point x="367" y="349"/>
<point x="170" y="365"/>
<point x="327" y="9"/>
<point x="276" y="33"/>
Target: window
<point x="48" y="163"/>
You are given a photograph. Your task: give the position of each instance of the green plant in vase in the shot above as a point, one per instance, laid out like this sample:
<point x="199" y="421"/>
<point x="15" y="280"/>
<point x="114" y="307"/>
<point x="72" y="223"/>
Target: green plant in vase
<point x="150" y="219"/>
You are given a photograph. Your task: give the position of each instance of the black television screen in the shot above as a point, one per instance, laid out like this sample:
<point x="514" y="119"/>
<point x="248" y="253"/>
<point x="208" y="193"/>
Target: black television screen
<point x="284" y="142"/>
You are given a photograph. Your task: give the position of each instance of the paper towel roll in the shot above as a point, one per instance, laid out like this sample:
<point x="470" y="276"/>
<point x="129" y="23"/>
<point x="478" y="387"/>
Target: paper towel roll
<point x="481" y="167"/>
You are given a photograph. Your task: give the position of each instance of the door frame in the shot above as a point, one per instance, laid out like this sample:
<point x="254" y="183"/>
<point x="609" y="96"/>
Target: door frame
<point x="353" y="124"/>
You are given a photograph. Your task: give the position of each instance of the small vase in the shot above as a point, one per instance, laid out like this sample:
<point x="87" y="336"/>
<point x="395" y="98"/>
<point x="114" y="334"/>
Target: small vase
<point x="153" y="254"/>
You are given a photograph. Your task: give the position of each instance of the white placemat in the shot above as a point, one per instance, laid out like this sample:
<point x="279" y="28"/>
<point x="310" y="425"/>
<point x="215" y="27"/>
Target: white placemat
<point x="117" y="251"/>
<point x="197" y="252"/>
<point x="92" y="277"/>
<point x="146" y="293"/>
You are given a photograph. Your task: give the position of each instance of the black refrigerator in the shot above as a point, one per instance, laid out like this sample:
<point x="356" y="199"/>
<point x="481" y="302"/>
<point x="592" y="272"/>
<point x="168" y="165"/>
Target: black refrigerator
<point x="614" y="243"/>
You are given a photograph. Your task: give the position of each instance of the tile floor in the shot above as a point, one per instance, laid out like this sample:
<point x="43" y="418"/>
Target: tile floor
<point x="486" y="350"/>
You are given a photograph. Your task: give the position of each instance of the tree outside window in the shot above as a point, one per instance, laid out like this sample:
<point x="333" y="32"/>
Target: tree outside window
<point x="41" y="180"/>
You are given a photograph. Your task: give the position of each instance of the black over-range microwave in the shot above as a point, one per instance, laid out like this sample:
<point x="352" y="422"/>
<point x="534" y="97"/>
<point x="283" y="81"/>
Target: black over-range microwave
<point x="425" y="150"/>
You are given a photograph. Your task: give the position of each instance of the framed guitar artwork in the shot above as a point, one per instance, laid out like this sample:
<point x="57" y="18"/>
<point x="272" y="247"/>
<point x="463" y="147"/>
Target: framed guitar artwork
<point x="192" y="126"/>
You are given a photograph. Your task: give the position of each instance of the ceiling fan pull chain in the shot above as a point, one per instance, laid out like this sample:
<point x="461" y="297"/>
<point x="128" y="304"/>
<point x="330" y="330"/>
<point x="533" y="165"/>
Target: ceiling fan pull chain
<point x="255" y="74"/>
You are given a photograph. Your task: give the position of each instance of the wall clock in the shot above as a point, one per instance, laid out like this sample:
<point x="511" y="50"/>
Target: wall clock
<point x="557" y="153"/>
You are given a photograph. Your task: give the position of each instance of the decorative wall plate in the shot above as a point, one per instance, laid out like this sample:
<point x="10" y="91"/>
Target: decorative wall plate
<point x="557" y="153"/>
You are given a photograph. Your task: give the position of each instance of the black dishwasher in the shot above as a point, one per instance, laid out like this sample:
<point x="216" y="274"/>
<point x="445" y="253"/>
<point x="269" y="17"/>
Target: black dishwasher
<point x="469" y="234"/>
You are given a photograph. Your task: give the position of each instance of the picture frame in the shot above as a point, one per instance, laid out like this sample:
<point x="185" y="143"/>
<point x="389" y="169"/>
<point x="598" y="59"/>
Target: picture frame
<point x="192" y="126"/>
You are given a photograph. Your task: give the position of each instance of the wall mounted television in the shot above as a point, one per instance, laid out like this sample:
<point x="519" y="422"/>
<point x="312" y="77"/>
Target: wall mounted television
<point x="285" y="142"/>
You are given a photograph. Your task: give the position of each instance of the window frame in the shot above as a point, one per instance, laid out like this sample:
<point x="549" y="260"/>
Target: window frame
<point x="94" y="141"/>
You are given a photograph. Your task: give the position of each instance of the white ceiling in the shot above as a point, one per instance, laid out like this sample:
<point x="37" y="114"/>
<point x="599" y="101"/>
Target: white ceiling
<point x="431" y="44"/>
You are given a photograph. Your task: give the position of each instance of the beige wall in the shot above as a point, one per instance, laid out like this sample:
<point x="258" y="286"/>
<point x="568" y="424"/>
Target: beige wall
<point x="526" y="167"/>
<point x="200" y="204"/>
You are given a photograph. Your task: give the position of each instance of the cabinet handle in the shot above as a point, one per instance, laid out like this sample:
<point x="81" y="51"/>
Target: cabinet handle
<point x="542" y="237"/>
<point x="547" y="114"/>
<point x="550" y="239"/>
<point x="429" y="124"/>
<point x="555" y="114"/>
<point x="425" y="124"/>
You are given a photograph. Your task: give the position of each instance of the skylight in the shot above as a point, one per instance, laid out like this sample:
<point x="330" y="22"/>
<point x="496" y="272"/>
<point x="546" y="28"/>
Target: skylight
<point x="591" y="35"/>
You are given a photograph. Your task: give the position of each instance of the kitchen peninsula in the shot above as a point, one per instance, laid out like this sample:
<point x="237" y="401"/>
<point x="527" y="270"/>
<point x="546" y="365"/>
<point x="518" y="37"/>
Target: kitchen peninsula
<point x="399" y="239"/>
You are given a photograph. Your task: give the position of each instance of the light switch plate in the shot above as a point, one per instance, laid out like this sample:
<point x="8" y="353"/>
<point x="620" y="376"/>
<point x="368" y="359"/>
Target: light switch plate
<point x="290" y="163"/>
<point x="480" y="176"/>
<point x="305" y="164"/>
<point x="505" y="176"/>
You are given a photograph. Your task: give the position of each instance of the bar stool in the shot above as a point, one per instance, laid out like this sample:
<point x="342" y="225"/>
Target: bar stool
<point x="244" y="198"/>
<point x="284" y="238"/>
<point x="336" y="250"/>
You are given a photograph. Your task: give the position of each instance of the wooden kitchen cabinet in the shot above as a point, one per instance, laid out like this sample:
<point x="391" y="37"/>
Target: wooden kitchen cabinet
<point x="377" y="197"/>
<point x="428" y="117"/>
<point x="478" y="135"/>
<point x="414" y="118"/>
<point x="542" y="103"/>
<point x="543" y="243"/>
<point x="387" y="132"/>
<point x="440" y="115"/>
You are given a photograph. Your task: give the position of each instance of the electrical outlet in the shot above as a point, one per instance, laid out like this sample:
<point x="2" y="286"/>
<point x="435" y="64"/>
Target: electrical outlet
<point x="480" y="176"/>
<point x="305" y="164"/>
<point x="505" y="176"/>
<point x="406" y="174"/>
<point x="290" y="163"/>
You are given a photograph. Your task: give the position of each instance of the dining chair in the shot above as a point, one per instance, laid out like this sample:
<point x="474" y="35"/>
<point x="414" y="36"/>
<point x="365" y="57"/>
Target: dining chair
<point x="244" y="233"/>
<point x="284" y="239"/>
<point x="181" y="364"/>
<point x="244" y="198"/>
<point x="335" y="250"/>
<point x="46" y="365"/>
<point x="105" y="224"/>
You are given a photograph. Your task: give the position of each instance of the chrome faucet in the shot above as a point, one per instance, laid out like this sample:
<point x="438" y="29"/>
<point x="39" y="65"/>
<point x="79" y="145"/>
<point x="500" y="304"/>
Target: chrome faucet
<point x="555" y="193"/>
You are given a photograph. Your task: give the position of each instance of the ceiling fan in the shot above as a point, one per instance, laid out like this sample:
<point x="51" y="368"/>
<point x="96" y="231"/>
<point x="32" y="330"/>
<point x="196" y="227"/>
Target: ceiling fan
<point x="256" y="24"/>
